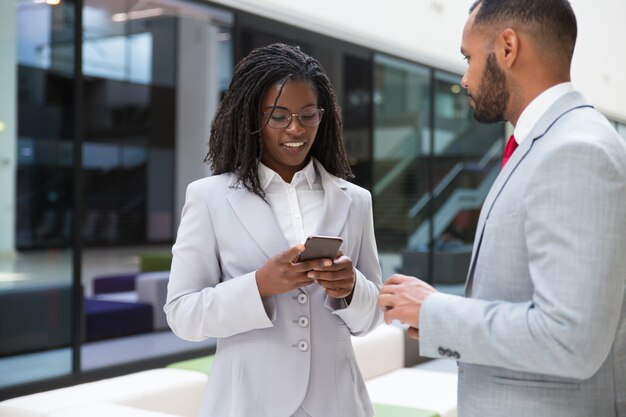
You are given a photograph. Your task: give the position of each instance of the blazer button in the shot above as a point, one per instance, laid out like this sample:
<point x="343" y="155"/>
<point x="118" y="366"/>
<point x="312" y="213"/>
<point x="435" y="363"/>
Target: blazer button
<point x="302" y="298"/>
<point x="441" y="351"/>
<point x="456" y="355"/>
<point x="303" y="321"/>
<point x="303" y="346"/>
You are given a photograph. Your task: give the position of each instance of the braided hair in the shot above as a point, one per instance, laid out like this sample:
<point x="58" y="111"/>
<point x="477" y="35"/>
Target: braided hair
<point x="235" y="144"/>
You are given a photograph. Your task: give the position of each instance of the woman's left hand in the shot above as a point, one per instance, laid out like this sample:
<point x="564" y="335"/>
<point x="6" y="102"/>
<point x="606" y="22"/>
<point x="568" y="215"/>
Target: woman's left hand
<point x="338" y="279"/>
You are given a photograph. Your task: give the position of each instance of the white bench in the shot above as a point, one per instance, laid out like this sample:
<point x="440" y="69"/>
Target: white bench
<point x="428" y="386"/>
<point x="380" y="351"/>
<point x="106" y="410"/>
<point x="171" y="392"/>
<point x="416" y="388"/>
<point x="153" y="393"/>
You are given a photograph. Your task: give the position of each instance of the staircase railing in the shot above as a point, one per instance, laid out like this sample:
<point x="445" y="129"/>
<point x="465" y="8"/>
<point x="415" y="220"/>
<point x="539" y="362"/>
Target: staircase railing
<point x="460" y="199"/>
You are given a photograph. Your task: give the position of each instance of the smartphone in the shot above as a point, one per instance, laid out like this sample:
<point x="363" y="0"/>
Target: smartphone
<point x="317" y="247"/>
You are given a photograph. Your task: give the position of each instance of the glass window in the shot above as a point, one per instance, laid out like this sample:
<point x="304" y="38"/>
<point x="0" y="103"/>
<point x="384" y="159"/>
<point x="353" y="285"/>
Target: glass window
<point x="466" y="161"/>
<point x="34" y="23"/>
<point x="429" y="184"/>
<point x="401" y="148"/>
<point x="119" y="57"/>
<point x="356" y="105"/>
<point x="153" y="76"/>
<point x="36" y="167"/>
<point x="130" y="112"/>
<point x="152" y="80"/>
<point x="467" y="158"/>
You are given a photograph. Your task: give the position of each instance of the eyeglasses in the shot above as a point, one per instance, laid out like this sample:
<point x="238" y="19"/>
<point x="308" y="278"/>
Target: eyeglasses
<point x="280" y="120"/>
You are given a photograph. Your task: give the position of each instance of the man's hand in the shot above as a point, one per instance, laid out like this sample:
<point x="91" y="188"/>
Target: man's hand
<point x="401" y="298"/>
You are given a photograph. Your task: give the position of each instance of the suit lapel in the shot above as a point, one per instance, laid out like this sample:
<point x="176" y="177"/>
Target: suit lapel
<point x="258" y="219"/>
<point x="493" y="194"/>
<point x="565" y="104"/>
<point x="336" y="204"/>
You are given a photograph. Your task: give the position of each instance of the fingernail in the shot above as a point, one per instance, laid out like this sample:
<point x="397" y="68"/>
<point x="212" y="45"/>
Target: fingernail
<point x="328" y="263"/>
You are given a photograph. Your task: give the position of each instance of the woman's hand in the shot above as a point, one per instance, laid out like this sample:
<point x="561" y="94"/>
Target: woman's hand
<point x="337" y="279"/>
<point x="282" y="273"/>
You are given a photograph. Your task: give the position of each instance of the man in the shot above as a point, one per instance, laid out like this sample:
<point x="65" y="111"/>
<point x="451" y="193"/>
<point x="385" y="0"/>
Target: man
<point x="542" y="331"/>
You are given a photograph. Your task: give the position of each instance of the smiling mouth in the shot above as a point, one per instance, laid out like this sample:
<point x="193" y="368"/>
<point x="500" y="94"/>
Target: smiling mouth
<point x="294" y="144"/>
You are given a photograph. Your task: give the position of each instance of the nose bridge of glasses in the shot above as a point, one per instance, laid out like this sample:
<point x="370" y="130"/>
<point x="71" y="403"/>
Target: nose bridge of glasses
<point x="291" y="118"/>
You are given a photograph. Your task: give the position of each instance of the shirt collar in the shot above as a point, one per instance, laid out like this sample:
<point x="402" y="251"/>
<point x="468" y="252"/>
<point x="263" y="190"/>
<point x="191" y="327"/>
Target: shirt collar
<point x="537" y="108"/>
<point x="268" y="175"/>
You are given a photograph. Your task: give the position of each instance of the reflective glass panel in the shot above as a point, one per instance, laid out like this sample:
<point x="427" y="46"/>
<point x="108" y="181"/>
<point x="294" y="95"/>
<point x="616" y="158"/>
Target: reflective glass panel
<point x="154" y="74"/>
<point x="401" y="148"/>
<point x="466" y="160"/>
<point x="36" y="162"/>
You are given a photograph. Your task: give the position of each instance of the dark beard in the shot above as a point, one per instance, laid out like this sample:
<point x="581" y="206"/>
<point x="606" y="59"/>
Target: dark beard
<point x="490" y="104"/>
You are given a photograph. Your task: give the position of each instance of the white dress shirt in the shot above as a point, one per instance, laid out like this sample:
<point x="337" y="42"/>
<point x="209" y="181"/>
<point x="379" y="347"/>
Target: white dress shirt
<point x="537" y="108"/>
<point x="297" y="205"/>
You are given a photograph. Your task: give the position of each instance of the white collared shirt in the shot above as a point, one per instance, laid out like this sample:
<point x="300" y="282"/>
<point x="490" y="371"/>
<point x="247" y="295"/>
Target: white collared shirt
<point x="537" y="108"/>
<point x="297" y="206"/>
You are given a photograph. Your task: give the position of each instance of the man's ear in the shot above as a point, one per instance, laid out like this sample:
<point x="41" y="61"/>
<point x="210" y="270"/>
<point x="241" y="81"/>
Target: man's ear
<point x="507" y="47"/>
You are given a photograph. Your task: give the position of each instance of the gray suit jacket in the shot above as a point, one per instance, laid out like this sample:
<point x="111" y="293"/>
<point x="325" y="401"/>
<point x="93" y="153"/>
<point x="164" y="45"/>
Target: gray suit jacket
<point x="272" y="351"/>
<point x="544" y="330"/>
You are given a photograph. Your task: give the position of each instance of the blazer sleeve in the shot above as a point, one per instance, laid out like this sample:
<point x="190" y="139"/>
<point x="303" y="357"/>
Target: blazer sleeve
<point x="574" y="223"/>
<point x="363" y="313"/>
<point x="198" y="305"/>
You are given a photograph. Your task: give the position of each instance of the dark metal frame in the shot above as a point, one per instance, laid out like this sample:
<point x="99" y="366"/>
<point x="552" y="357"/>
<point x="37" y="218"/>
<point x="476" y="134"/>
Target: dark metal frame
<point x="431" y="177"/>
<point x="77" y="287"/>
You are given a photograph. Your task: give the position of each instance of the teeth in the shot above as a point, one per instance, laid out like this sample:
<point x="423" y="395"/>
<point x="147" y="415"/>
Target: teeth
<point x="294" y="144"/>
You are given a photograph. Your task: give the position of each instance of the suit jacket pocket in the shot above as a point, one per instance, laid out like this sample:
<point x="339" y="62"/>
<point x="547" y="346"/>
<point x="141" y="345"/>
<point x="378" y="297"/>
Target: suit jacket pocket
<point x="537" y="383"/>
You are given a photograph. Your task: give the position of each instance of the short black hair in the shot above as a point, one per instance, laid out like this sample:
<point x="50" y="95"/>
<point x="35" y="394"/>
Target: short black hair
<point x="553" y="21"/>
<point x="235" y="141"/>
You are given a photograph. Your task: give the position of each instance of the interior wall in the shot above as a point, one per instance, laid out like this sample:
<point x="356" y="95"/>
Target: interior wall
<point x="8" y="103"/>
<point x="429" y="31"/>
<point x="197" y="98"/>
<point x="599" y="67"/>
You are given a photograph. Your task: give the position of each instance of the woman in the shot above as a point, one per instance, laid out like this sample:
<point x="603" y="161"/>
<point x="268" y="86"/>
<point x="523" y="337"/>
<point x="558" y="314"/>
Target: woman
<point x="283" y="327"/>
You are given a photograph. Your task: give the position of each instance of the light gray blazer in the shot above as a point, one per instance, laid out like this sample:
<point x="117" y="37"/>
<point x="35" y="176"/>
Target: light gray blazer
<point x="272" y="351"/>
<point x="544" y="330"/>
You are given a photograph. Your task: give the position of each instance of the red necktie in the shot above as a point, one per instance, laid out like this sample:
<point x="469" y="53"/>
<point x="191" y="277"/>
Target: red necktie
<point x="511" y="145"/>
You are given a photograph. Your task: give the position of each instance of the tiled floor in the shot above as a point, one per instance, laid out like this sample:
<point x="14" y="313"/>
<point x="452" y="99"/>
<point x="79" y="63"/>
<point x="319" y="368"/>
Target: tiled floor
<point x="54" y="363"/>
<point x="133" y="348"/>
<point x="30" y="367"/>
